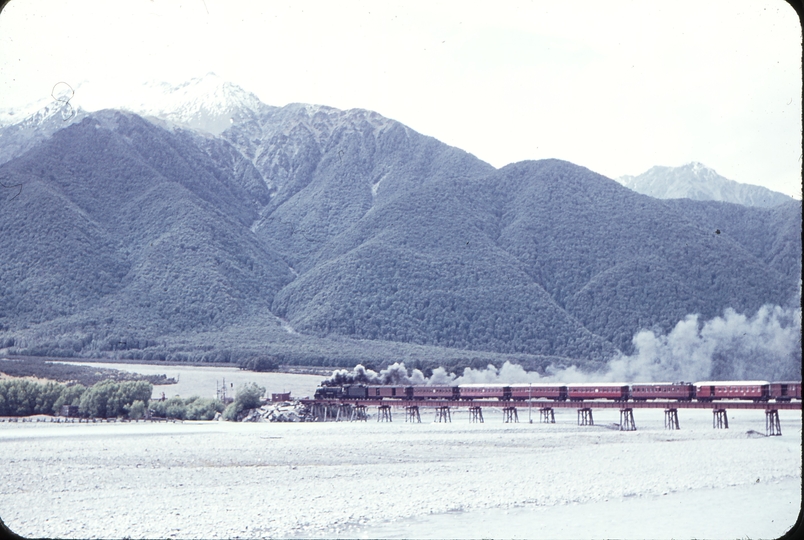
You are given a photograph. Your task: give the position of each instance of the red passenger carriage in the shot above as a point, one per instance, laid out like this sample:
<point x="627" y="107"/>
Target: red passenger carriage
<point x="753" y="390"/>
<point x="679" y="391"/>
<point x="435" y="392"/>
<point x="556" y="392"/>
<point x="485" y="391"/>
<point x="785" y="390"/>
<point x="582" y="391"/>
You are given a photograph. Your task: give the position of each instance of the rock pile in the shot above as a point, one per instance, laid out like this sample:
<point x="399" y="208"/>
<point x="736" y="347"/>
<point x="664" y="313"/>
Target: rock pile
<point x="283" y="411"/>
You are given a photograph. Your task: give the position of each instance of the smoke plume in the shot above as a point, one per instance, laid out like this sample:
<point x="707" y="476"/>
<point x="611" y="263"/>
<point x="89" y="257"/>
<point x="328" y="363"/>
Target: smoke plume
<point x="395" y="374"/>
<point x="734" y="346"/>
<point x="765" y="346"/>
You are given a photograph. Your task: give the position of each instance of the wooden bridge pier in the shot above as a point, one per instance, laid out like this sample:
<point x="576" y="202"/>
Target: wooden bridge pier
<point x="585" y="417"/>
<point x="359" y="413"/>
<point x="384" y="413"/>
<point x="720" y="419"/>
<point x="627" y="419"/>
<point x="772" y="426"/>
<point x="412" y="414"/>
<point x="344" y="412"/>
<point x="442" y="414"/>
<point x="510" y="415"/>
<point x="321" y="411"/>
<point x="547" y="416"/>
<point x="475" y="414"/>
<point x="671" y="419"/>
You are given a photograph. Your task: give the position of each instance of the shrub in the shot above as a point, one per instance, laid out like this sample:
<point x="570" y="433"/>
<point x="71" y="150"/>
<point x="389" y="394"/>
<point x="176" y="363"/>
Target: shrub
<point x="170" y="408"/>
<point x="231" y="411"/>
<point x="70" y="395"/>
<point x="176" y="410"/>
<point x="192" y="408"/>
<point x="19" y="397"/>
<point x="108" y="398"/>
<point x="203" y="409"/>
<point x="248" y="396"/>
<point x="137" y="410"/>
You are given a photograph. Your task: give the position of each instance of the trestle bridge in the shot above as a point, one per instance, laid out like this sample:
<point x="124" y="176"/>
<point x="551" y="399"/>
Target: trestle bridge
<point x="358" y="410"/>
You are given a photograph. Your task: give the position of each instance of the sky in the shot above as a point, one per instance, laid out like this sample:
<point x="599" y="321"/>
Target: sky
<point x="615" y="86"/>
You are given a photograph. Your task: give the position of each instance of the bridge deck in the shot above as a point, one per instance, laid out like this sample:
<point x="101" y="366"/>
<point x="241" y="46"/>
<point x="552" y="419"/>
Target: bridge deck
<point x="590" y="404"/>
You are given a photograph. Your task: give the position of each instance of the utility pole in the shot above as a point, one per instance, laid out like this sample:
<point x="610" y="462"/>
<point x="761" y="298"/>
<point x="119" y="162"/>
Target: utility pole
<point x="530" y="403"/>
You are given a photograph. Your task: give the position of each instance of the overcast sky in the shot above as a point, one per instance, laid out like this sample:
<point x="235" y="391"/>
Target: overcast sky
<point x="613" y="85"/>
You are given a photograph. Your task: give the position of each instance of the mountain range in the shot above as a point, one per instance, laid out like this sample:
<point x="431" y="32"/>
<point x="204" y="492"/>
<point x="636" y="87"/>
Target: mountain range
<point x="205" y="225"/>
<point x="697" y="182"/>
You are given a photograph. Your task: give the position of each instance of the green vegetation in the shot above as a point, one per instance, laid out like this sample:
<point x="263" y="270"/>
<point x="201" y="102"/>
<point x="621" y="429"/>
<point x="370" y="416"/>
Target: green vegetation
<point x="20" y="397"/>
<point x="362" y="243"/>
<point x="112" y="399"/>
<point x="137" y="410"/>
<point x="248" y="397"/>
<point x="109" y="399"/>
<point x="192" y="408"/>
<point x="259" y="363"/>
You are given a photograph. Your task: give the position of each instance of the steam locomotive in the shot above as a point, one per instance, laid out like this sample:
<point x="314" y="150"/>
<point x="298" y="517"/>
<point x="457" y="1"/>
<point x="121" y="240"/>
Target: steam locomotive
<point x="680" y="391"/>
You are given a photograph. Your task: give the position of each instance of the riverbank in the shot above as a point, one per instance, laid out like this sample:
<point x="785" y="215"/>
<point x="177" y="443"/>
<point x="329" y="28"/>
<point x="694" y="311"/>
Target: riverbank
<point x="378" y="479"/>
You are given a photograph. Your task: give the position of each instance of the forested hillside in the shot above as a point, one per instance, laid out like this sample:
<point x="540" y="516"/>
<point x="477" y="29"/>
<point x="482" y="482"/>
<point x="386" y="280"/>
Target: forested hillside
<point x="619" y="261"/>
<point x="120" y="219"/>
<point x="333" y="237"/>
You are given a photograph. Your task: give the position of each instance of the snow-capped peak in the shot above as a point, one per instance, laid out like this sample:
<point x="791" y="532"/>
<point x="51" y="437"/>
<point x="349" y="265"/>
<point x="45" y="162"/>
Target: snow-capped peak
<point x="207" y="103"/>
<point x="697" y="181"/>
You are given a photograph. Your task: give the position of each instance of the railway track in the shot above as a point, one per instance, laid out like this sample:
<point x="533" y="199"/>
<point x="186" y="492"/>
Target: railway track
<point x="586" y="404"/>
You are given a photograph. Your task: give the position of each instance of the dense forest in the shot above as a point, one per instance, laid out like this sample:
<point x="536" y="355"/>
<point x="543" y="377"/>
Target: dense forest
<point x="315" y="236"/>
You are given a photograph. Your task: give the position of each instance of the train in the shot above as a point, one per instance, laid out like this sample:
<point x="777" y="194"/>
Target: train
<point x="702" y="391"/>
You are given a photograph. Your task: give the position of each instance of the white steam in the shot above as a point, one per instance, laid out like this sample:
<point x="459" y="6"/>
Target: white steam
<point x="732" y="347"/>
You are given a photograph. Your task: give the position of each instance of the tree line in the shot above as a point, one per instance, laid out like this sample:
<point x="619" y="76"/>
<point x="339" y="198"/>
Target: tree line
<point x="112" y="399"/>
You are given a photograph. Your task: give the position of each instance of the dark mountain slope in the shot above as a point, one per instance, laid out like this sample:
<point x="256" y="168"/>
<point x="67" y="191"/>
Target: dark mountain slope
<point x="18" y="138"/>
<point x="420" y="269"/>
<point x="172" y="241"/>
<point x="618" y="261"/>
<point x="773" y="235"/>
<point x="110" y="157"/>
<point x="54" y="259"/>
<point x="329" y="167"/>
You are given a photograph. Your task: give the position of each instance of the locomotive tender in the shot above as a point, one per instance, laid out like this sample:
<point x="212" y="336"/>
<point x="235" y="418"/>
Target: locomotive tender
<point x="679" y="391"/>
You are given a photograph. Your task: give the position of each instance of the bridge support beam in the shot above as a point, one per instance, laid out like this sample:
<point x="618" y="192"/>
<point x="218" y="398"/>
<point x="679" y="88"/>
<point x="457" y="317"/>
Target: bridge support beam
<point x="772" y="426"/>
<point x="475" y="414"/>
<point x="547" y="416"/>
<point x="322" y="411"/>
<point x="720" y="419"/>
<point x="510" y="415"/>
<point x="384" y="413"/>
<point x="671" y="419"/>
<point x="359" y="413"/>
<point x="412" y="414"/>
<point x="442" y="414"/>
<point x="585" y="417"/>
<point x="627" y="420"/>
<point x="344" y="412"/>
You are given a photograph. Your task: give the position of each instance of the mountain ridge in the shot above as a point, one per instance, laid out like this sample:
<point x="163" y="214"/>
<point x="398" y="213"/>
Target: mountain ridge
<point x="350" y="228"/>
<point x="698" y="182"/>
